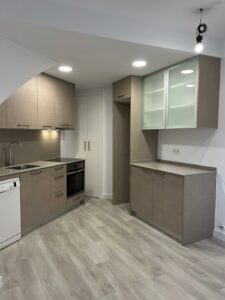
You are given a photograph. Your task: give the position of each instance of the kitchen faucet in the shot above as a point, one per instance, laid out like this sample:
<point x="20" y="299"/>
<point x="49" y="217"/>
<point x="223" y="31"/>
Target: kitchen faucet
<point x="10" y="150"/>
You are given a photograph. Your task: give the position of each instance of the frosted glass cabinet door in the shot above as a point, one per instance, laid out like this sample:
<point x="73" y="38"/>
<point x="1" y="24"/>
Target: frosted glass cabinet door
<point x="154" y="101"/>
<point x="182" y="95"/>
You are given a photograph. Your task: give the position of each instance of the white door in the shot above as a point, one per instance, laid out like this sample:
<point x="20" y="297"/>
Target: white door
<point x="89" y="140"/>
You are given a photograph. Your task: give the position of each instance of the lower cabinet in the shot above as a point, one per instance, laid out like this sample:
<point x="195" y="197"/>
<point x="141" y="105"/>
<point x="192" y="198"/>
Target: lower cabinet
<point x="43" y="196"/>
<point x="141" y="193"/>
<point x="181" y="206"/>
<point x="34" y="199"/>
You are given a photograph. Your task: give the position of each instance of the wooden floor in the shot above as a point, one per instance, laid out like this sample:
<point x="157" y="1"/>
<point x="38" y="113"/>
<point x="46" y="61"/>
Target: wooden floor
<point x="99" y="251"/>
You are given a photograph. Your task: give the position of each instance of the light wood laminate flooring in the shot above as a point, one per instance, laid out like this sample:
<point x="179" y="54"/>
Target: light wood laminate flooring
<point x="99" y="251"/>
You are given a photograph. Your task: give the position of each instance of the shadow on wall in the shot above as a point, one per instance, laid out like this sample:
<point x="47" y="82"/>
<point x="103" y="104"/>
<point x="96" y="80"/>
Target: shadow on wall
<point x="18" y="65"/>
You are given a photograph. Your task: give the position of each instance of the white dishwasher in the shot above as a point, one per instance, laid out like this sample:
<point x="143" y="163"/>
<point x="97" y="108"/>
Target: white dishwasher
<point x="10" y="219"/>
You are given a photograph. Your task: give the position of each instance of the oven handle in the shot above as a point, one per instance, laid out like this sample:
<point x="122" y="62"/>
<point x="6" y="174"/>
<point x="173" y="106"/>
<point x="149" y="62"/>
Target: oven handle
<point x="75" y="172"/>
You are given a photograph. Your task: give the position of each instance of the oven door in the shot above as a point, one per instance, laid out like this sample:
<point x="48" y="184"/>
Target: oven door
<point x="75" y="183"/>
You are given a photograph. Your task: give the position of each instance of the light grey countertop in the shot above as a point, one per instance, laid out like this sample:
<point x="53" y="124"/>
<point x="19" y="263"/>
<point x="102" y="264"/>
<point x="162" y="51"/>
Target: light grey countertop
<point x="182" y="170"/>
<point x="5" y="171"/>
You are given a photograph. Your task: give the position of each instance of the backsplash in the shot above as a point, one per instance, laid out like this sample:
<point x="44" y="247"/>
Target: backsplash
<point x="36" y="145"/>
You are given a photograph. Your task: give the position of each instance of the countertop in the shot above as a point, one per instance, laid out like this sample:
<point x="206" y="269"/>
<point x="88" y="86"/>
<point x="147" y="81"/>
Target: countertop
<point x="173" y="168"/>
<point x="4" y="171"/>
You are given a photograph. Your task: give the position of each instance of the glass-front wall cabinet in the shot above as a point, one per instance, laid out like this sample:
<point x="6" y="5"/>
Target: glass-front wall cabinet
<point x="154" y="101"/>
<point x="182" y="97"/>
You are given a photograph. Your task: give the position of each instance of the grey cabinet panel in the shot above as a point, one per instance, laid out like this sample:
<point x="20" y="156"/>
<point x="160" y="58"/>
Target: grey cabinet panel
<point x="3" y="115"/>
<point x="141" y="199"/>
<point x="122" y="90"/>
<point x="47" y="95"/>
<point x="22" y="107"/>
<point x="65" y="104"/>
<point x="168" y="203"/>
<point x="34" y="199"/>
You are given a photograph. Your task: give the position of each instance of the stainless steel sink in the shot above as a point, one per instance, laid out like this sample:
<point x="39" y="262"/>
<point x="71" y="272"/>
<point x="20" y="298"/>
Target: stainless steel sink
<point x="23" y="167"/>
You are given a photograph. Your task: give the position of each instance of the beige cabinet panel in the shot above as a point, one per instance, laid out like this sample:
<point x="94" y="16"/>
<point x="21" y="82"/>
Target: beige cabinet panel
<point x="65" y="103"/>
<point x="141" y="200"/>
<point x="122" y="90"/>
<point x="57" y="204"/>
<point x="168" y="193"/>
<point x="34" y="199"/>
<point x="47" y="95"/>
<point x="21" y="106"/>
<point x="3" y="115"/>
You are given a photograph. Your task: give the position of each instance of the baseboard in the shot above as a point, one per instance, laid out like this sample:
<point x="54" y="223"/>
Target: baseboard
<point x="219" y="234"/>
<point x="105" y="196"/>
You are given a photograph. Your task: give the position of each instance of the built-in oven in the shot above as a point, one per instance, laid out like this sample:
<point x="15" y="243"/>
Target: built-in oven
<point x="75" y="178"/>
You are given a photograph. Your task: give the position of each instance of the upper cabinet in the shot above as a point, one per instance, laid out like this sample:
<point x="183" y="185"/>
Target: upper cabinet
<point x="44" y="102"/>
<point x="122" y="90"/>
<point x="21" y="106"/>
<point x="154" y="96"/>
<point x="183" y="96"/>
<point x="3" y="115"/>
<point x="65" y="104"/>
<point x="47" y="94"/>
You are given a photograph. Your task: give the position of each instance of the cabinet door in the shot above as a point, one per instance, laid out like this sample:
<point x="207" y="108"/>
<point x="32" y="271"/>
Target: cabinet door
<point x="65" y="103"/>
<point x="182" y="95"/>
<point x="21" y="106"/>
<point x="47" y="95"/>
<point x="122" y="90"/>
<point x="3" y="115"/>
<point x="34" y="199"/>
<point x="154" y="101"/>
<point x="168" y="191"/>
<point x="141" y="195"/>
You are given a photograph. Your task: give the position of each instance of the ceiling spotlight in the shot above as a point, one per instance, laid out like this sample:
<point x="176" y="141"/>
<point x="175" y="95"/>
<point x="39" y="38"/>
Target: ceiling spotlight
<point x="201" y="29"/>
<point x="65" y="68"/>
<point x="139" y="63"/>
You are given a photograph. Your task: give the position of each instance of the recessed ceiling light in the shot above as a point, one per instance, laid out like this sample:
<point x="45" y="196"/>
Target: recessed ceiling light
<point x="190" y="85"/>
<point x="187" y="72"/>
<point x="65" y="68"/>
<point x="139" y="63"/>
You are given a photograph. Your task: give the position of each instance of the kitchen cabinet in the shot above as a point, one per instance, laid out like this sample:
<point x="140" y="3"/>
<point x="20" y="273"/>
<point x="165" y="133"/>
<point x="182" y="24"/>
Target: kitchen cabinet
<point x="89" y="127"/>
<point x="58" y="192"/>
<point x="21" y="107"/>
<point x="142" y="193"/>
<point x="122" y="90"/>
<point x="65" y="103"/>
<point x="154" y="97"/>
<point x="47" y="95"/>
<point x="179" y="200"/>
<point x="3" y="115"/>
<point x="185" y="95"/>
<point x="35" y="190"/>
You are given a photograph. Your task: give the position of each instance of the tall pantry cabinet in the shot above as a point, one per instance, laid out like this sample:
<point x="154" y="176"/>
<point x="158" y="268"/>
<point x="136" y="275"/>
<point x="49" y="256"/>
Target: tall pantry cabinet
<point x="88" y="137"/>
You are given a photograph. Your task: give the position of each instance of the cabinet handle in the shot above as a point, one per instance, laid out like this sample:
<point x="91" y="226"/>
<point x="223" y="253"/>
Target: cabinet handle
<point x="59" y="177"/>
<point x="160" y="174"/>
<point x="89" y="146"/>
<point x="120" y="96"/>
<point x="85" y="145"/>
<point x="23" y="125"/>
<point x="36" y="173"/>
<point x="59" y="195"/>
<point x="65" y="125"/>
<point x="147" y="170"/>
<point x="59" y="168"/>
<point x="47" y="126"/>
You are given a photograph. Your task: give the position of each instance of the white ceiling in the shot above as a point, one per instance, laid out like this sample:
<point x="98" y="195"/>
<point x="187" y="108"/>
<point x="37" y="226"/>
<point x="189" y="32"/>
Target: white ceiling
<point x="101" y="38"/>
<point x="96" y="61"/>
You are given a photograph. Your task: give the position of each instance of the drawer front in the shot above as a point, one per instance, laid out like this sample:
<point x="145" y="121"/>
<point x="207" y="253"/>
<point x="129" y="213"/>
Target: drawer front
<point x="58" y="170"/>
<point x="58" y="183"/>
<point x="57" y="204"/>
<point x="74" y="201"/>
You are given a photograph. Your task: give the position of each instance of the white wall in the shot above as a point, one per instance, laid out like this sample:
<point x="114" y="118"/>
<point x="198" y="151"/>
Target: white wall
<point x="204" y="147"/>
<point x="18" y="65"/>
